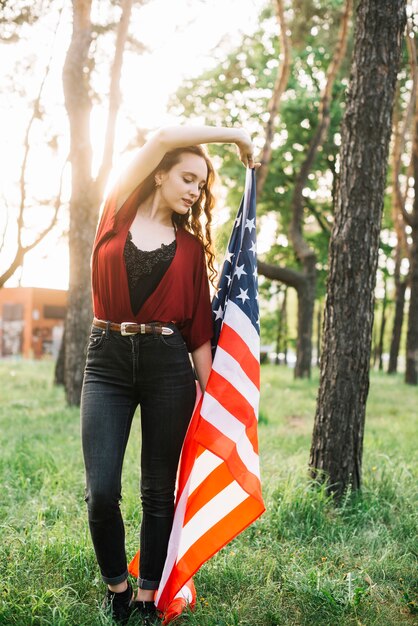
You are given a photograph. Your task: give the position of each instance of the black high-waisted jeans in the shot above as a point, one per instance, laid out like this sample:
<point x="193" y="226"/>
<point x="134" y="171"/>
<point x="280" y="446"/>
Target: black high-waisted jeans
<point x="121" y="372"/>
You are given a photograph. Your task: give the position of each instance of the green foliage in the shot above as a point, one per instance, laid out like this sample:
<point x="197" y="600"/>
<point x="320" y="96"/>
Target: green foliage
<point x="237" y="91"/>
<point x="304" y="562"/>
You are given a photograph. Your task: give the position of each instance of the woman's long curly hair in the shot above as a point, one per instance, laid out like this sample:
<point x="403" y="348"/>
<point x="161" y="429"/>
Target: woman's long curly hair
<point x="204" y="204"/>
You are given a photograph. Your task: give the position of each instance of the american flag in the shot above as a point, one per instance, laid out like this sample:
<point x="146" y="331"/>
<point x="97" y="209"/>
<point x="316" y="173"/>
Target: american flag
<point x="218" y="491"/>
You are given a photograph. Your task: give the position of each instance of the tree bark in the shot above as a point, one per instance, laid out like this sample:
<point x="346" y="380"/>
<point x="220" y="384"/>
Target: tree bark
<point x="337" y="441"/>
<point x="86" y="193"/>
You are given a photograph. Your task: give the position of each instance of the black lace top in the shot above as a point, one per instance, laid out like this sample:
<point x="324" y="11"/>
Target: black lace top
<point x="145" y="269"/>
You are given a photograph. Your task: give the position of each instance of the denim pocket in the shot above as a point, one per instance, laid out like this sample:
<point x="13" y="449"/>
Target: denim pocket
<point x="97" y="338"/>
<point x="174" y="341"/>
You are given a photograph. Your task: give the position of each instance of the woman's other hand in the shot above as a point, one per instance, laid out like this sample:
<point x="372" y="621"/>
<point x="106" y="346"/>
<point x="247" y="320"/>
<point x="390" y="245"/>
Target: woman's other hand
<point x="246" y="150"/>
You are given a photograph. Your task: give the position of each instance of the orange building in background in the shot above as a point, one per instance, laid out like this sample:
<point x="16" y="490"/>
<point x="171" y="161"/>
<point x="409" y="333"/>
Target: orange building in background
<point x="31" y="321"/>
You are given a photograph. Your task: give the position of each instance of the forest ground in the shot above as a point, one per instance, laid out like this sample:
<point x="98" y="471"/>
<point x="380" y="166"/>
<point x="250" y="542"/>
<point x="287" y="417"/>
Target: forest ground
<point x="304" y="562"/>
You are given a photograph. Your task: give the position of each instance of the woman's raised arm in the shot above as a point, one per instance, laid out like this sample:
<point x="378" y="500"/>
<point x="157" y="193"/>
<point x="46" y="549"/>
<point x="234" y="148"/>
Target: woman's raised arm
<point x="170" y="137"/>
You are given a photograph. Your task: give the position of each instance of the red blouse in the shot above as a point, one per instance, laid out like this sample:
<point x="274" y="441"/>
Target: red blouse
<point x="182" y="296"/>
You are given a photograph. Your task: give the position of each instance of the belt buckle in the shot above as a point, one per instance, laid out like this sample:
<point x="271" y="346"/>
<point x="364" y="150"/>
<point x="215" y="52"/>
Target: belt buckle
<point x="125" y="332"/>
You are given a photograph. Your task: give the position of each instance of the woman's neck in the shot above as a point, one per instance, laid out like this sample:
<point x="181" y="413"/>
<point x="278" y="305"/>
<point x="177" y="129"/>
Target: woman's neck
<point x="153" y="208"/>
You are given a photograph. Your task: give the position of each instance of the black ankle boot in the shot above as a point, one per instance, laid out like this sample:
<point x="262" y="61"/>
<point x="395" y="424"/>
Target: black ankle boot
<point x="118" y="605"/>
<point x="146" y="610"/>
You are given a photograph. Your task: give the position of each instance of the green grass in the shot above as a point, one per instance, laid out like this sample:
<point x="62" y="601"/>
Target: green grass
<point x="303" y="562"/>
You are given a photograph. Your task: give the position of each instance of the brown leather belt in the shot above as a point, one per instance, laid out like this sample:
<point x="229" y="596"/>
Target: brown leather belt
<point x="131" y="328"/>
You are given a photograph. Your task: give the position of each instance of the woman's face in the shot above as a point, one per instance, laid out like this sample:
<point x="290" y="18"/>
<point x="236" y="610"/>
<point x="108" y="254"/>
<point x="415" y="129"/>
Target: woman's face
<point x="182" y="185"/>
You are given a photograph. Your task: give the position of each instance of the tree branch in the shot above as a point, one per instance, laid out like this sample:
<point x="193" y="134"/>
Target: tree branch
<point x="290" y="277"/>
<point x="35" y="115"/>
<point x="22" y="250"/>
<point x="400" y="135"/>
<point x="273" y="107"/>
<point x="3" y="236"/>
<point x="323" y="224"/>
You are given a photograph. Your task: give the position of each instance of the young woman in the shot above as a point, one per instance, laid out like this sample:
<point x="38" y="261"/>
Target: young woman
<point x="151" y="309"/>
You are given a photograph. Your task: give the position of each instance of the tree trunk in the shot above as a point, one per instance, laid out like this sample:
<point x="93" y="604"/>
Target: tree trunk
<point x="86" y="193"/>
<point x="281" y="340"/>
<point x="411" y="371"/>
<point x="286" y="328"/>
<point x="402" y="248"/>
<point x="59" y="372"/>
<point x="337" y="441"/>
<point x="318" y="334"/>
<point x="382" y="329"/>
<point x="279" y="335"/>
<point x="374" y="346"/>
<point x="306" y="303"/>
<point x="400" y="288"/>
<point x="82" y="218"/>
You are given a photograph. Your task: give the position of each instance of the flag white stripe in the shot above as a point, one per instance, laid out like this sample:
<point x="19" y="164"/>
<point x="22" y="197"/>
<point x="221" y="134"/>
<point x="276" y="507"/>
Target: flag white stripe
<point x="225" y="365"/>
<point x="205" y="518"/>
<point x="241" y="323"/>
<point x="247" y="191"/>
<point x="231" y="427"/>
<point x="185" y="593"/>
<point x="203" y="466"/>
<point x="175" y="538"/>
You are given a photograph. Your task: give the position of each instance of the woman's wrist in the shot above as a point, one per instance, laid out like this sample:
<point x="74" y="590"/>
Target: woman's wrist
<point x="241" y="136"/>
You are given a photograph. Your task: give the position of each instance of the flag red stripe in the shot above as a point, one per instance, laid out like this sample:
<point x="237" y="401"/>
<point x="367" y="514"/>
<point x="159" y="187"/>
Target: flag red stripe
<point x="235" y="345"/>
<point x="220" y="478"/>
<point x="190" y="451"/>
<point x="231" y="399"/>
<point x="225" y="448"/>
